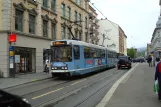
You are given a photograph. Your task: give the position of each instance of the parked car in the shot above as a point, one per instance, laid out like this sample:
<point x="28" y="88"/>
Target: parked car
<point x="124" y="62"/>
<point x="141" y="60"/>
<point x="10" y="100"/>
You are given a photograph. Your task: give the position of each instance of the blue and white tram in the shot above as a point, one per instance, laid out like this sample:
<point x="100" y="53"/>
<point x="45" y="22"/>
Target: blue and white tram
<point x="71" y="58"/>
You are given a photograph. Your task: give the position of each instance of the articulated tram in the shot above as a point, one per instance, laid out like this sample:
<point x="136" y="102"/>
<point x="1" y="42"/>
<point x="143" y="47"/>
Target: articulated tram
<point x="72" y="57"/>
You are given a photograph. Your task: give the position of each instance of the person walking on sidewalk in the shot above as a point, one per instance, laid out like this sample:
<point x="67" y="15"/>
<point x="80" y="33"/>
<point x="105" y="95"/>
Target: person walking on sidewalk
<point x="158" y="77"/>
<point x="150" y="61"/>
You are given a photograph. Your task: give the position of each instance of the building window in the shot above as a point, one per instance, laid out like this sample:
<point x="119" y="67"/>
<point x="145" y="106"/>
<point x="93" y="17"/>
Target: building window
<point x="53" y="5"/>
<point x="63" y="10"/>
<point x="69" y="13"/>
<point x="45" y="3"/>
<point x="45" y="28"/>
<point x="79" y="18"/>
<point x="76" y="33"/>
<point x="68" y="33"/>
<point x="80" y="36"/>
<point x="79" y="2"/>
<point x="19" y="20"/>
<point x="86" y="37"/>
<point x="85" y="4"/>
<point x="76" y="16"/>
<point x="75" y="1"/>
<point x="86" y="22"/>
<point x="63" y="32"/>
<point x="53" y="31"/>
<point x="158" y="34"/>
<point x="76" y="52"/>
<point x="32" y="24"/>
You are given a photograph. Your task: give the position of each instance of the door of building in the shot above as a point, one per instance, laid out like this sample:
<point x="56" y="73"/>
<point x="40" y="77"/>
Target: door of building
<point x="24" y="60"/>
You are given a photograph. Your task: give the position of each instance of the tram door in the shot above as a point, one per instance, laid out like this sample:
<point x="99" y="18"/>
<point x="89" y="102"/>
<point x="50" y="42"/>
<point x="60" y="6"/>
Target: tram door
<point x="77" y="62"/>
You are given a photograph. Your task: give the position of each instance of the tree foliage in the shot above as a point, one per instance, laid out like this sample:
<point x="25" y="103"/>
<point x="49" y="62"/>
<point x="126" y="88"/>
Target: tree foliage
<point x="131" y="52"/>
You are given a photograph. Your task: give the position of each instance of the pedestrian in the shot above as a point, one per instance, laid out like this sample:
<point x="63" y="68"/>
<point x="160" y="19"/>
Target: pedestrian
<point x="156" y="61"/>
<point x="150" y="61"/>
<point x="48" y="67"/>
<point x="158" y="77"/>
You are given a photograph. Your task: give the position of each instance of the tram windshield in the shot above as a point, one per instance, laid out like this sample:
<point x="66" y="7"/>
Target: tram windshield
<point x="62" y="53"/>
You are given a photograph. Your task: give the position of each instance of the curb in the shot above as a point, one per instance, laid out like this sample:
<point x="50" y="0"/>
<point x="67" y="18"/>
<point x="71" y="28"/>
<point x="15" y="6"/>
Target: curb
<point x="110" y="93"/>
<point x="32" y="81"/>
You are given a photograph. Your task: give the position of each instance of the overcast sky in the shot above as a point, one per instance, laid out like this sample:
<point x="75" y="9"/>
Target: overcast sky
<point x="136" y="17"/>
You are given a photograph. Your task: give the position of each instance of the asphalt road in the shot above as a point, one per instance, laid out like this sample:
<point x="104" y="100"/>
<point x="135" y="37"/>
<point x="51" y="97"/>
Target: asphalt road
<point x="84" y="91"/>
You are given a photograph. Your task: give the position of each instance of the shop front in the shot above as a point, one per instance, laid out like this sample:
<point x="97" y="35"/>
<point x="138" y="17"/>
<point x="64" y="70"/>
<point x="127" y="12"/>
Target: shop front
<point x="25" y="60"/>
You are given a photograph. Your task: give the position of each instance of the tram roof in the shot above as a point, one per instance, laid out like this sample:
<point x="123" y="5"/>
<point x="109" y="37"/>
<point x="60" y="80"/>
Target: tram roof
<point x="75" y="42"/>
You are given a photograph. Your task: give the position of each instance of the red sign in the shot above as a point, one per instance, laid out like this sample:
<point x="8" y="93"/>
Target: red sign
<point x="89" y="61"/>
<point x="12" y="38"/>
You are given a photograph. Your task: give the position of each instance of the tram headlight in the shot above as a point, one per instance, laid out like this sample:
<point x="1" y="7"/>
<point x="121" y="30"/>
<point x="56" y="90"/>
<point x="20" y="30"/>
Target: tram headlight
<point x="65" y="68"/>
<point x="55" y="68"/>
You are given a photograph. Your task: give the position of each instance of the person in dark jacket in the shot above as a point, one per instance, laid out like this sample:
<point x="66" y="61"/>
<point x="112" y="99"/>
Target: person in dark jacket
<point x="150" y="61"/>
<point x="158" y="77"/>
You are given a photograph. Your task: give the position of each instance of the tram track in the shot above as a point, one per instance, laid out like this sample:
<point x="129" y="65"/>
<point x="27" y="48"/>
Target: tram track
<point x="61" y="97"/>
<point x="36" y="87"/>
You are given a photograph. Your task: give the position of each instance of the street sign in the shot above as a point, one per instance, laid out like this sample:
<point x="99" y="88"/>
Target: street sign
<point x="11" y="53"/>
<point x="11" y="48"/>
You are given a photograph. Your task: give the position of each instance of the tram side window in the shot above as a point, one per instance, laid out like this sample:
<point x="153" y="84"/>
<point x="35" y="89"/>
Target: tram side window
<point x="87" y="53"/>
<point x="109" y="54"/>
<point x="76" y="52"/>
<point x="93" y="51"/>
<point x="112" y="54"/>
<point x="103" y="53"/>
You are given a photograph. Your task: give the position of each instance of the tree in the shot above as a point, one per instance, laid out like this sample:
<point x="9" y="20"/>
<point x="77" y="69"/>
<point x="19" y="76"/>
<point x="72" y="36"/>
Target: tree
<point x="131" y="52"/>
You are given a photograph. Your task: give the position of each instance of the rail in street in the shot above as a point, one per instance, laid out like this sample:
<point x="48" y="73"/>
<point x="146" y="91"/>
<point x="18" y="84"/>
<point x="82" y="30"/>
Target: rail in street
<point x="76" y="92"/>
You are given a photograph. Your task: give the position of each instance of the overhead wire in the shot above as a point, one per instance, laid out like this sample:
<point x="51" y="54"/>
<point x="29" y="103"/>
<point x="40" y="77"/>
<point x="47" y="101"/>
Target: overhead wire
<point x="104" y="16"/>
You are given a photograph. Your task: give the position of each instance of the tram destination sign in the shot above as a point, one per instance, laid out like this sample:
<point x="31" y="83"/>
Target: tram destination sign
<point x="59" y="43"/>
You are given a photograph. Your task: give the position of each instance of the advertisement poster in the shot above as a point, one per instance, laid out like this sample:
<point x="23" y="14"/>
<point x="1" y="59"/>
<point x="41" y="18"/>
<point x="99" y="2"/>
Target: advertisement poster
<point x="98" y="62"/>
<point x="17" y="58"/>
<point x="89" y="63"/>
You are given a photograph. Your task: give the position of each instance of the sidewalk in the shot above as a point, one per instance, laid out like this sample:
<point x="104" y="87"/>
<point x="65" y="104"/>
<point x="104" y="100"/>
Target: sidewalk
<point x="23" y="79"/>
<point x="136" y="90"/>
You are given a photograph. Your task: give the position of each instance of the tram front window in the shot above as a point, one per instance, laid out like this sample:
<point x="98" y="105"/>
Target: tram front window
<point x="62" y="53"/>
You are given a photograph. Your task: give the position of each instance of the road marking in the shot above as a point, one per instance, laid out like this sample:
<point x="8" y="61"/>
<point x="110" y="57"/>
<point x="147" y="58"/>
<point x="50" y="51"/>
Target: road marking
<point x="78" y="81"/>
<point x="94" y="76"/>
<point x="110" y="93"/>
<point x="47" y="93"/>
<point x="35" y="80"/>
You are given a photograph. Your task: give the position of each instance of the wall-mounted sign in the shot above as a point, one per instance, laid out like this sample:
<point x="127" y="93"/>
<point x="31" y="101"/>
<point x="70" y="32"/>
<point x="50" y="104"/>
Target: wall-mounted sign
<point x="11" y="53"/>
<point x="12" y="38"/>
<point x="11" y="48"/>
<point x="17" y="58"/>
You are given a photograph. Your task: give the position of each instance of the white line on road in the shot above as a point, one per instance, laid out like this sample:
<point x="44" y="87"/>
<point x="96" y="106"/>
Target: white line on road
<point x="110" y="93"/>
